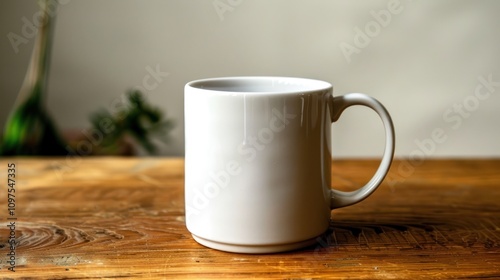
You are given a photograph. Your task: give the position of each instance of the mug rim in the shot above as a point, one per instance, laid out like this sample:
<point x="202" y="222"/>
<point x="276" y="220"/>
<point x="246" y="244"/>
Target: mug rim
<point x="261" y="84"/>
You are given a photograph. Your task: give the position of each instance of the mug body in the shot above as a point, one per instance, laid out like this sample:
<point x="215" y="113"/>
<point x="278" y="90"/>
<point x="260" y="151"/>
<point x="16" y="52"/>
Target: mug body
<point x="257" y="162"/>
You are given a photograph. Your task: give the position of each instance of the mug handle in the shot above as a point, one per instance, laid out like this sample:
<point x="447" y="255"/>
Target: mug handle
<point x="338" y="104"/>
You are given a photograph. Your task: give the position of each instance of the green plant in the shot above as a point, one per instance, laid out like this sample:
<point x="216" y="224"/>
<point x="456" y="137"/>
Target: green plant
<point x="139" y="121"/>
<point x="31" y="131"/>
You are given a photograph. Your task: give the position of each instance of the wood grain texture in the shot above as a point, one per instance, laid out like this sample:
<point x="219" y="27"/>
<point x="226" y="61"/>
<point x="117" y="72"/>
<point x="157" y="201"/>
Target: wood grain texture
<point x="105" y="218"/>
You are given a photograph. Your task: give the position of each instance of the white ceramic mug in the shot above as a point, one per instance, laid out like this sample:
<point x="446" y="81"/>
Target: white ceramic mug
<point x="258" y="161"/>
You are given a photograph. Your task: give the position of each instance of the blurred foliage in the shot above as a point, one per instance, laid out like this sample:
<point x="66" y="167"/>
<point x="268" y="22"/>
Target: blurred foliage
<point x="30" y="131"/>
<point x="137" y="120"/>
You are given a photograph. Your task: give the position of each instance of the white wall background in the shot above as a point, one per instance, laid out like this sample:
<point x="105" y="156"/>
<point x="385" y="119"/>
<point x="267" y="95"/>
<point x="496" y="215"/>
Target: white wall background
<point x="424" y="61"/>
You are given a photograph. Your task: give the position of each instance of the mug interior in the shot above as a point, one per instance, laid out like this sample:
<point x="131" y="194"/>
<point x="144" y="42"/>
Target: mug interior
<point x="260" y="84"/>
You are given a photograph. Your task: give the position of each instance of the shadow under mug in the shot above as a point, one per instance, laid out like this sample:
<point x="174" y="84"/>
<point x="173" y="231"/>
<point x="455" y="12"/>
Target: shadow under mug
<point x="258" y="161"/>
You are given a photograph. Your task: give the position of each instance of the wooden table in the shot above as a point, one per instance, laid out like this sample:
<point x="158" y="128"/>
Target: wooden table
<point x="109" y="218"/>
